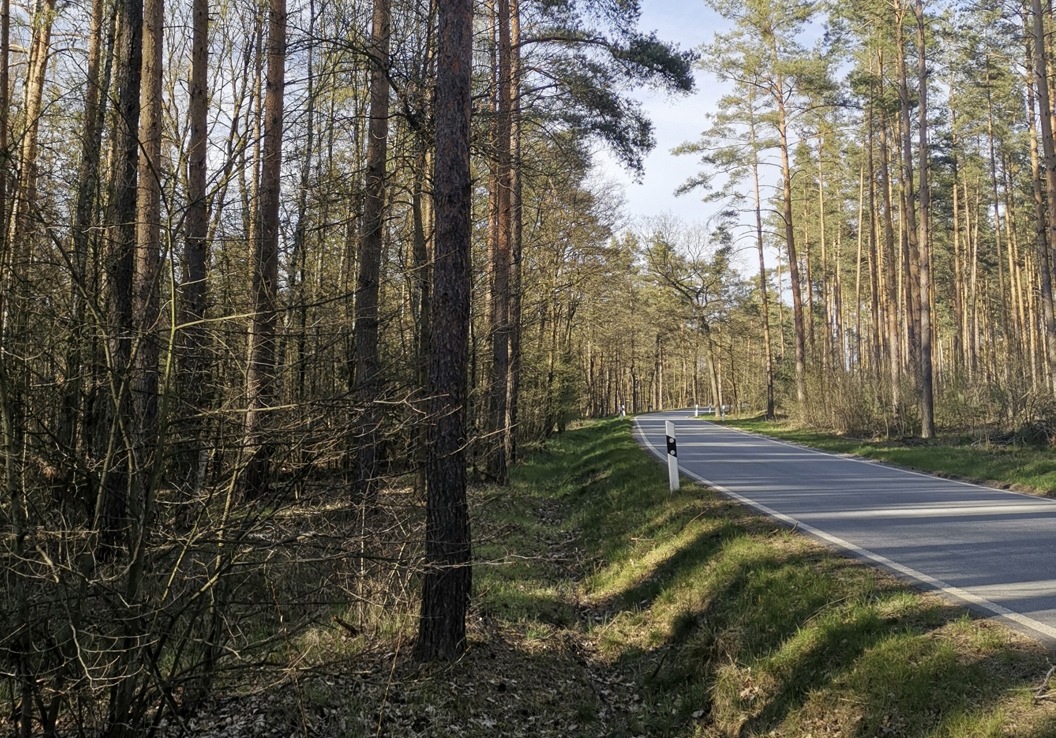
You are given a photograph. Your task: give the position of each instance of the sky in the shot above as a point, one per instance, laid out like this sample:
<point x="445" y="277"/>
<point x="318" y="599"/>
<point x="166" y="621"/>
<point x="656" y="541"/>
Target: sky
<point x="676" y="120"/>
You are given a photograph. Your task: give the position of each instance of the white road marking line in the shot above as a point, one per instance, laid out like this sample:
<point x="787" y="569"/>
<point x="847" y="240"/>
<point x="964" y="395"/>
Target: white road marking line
<point x="999" y="610"/>
<point x="875" y="462"/>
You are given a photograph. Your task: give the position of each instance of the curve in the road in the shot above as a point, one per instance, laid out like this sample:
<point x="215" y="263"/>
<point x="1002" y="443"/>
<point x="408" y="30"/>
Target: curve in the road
<point x="993" y="550"/>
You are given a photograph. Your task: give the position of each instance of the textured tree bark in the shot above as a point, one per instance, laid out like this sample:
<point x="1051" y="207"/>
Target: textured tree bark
<point x="261" y="376"/>
<point x="912" y="257"/>
<point x="110" y="519"/>
<point x="894" y="344"/>
<point x="516" y="232"/>
<point x="447" y="580"/>
<point x="145" y="302"/>
<point x="194" y="371"/>
<point x="365" y="341"/>
<point x="764" y="294"/>
<point x="501" y="259"/>
<point x="123" y="721"/>
<point x="1046" y="237"/>
<point x="793" y="258"/>
<point x="927" y="377"/>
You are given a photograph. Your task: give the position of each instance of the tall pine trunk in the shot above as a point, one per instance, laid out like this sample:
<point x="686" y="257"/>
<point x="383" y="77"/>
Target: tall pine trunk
<point x="365" y="342"/>
<point x="145" y="300"/>
<point x="763" y="292"/>
<point x="516" y="231"/>
<point x="262" y="373"/>
<point x="194" y="372"/>
<point x="447" y="581"/>
<point x="110" y="518"/>
<point x="793" y="261"/>
<point x="501" y="258"/>
<point x="894" y="344"/>
<point x="1041" y="80"/>
<point x="927" y="401"/>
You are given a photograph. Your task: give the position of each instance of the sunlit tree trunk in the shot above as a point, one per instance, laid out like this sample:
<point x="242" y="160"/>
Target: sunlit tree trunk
<point x="927" y="401"/>
<point x="910" y="222"/>
<point x="763" y="291"/>
<point x="1044" y="245"/>
<point x="894" y="342"/>
<point x="447" y="581"/>
<point x="146" y="301"/>
<point x="793" y="257"/>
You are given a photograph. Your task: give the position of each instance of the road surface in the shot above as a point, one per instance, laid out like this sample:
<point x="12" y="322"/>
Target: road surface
<point x="991" y="549"/>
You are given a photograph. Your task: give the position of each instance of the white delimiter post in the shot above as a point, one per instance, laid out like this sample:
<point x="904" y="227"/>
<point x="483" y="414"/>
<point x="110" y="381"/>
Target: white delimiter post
<point x="672" y="456"/>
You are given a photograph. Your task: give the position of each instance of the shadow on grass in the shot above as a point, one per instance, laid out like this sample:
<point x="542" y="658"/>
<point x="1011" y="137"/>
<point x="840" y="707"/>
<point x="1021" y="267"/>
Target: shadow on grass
<point x="741" y="628"/>
<point x="674" y="570"/>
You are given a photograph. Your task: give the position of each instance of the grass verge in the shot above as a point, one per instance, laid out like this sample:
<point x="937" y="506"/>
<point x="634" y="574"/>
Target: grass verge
<point x="724" y="624"/>
<point x="1021" y="467"/>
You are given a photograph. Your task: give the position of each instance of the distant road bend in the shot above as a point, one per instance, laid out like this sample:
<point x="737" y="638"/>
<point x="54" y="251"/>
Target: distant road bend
<point x="993" y="550"/>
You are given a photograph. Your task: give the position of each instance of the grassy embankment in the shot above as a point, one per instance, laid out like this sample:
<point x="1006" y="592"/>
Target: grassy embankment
<point x="716" y="622"/>
<point x="1020" y="466"/>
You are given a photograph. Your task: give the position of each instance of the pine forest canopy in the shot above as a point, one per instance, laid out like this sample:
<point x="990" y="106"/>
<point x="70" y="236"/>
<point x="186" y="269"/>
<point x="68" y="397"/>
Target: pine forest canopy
<point x="252" y="251"/>
<point x="887" y="162"/>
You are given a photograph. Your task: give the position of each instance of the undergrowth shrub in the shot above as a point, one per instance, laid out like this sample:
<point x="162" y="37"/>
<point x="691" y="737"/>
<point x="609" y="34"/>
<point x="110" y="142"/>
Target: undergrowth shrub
<point x="1011" y="410"/>
<point x="853" y="405"/>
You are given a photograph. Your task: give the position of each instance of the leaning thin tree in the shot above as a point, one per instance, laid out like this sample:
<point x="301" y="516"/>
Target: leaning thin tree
<point x="446" y="585"/>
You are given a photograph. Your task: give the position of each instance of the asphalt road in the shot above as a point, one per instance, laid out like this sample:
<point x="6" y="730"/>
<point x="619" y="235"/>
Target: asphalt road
<point x="993" y="550"/>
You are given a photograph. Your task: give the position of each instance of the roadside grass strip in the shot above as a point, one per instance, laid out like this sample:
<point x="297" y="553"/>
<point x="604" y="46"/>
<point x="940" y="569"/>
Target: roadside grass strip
<point x="719" y="622"/>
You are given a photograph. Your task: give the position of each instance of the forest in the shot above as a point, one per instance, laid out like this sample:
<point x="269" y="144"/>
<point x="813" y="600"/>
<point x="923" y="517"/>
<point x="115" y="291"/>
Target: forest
<point x="277" y="282"/>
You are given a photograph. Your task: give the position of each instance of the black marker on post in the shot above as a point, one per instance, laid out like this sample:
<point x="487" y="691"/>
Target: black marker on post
<point x="672" y="456"/>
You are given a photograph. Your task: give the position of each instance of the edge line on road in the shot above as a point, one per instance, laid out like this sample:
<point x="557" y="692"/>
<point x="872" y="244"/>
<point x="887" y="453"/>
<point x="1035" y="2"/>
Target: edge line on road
<point x="1041" y="629"/>
<point x="874" y="462"/>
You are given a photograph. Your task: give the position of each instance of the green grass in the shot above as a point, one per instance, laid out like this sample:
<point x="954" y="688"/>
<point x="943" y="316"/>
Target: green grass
<point x="719" y="623"/>
<point x="1017" y="466"/>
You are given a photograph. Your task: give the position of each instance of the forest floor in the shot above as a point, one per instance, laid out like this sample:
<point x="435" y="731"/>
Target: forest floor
<point x="606" y="606"/>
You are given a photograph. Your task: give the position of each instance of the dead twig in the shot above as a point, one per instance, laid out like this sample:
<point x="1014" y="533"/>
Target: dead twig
<point x="1043" y="692"/>
<point x="351" y="629"/>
